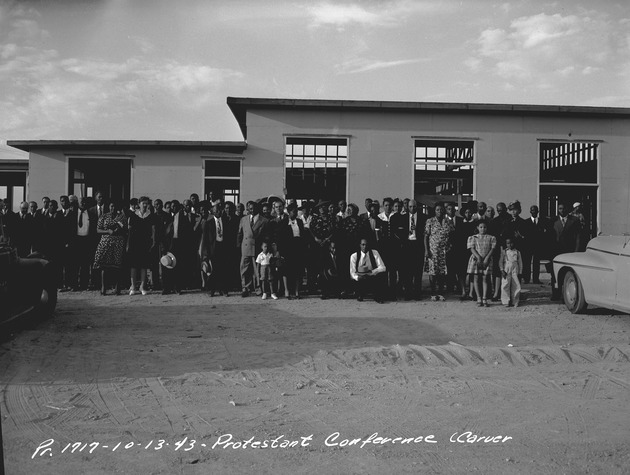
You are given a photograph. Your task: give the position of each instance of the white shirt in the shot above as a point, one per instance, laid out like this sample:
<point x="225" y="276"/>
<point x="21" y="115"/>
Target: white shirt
<point x="295" y="227"/>
<point x="264" y="259"/>
<point x="307" y="221"/>
<point x="85" y="228"/>
<point x="219" y="225"/>
<point x="412" y="233"/>
<point x="364" y="260"/>
<point x="175" y="225"/>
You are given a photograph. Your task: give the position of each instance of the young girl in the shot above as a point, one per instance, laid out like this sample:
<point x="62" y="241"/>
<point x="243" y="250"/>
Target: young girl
<point x="481" y="246"/>
<point x="511" y="266"/>
<point x="263" y="262"/>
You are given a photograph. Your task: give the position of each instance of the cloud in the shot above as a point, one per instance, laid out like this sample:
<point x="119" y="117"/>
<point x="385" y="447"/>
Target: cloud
<point x="378" y="14"/>
<point x="363" y="65"/>
<point x="540" y="46"/>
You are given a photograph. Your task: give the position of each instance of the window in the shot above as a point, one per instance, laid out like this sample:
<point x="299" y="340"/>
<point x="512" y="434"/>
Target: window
<point x="568" y="174"/>
<point x="443" y="171"/>
<point x="316" y="167"/>
<point x="110" y="176"/>
<point x="222" y="179"/>
<point x="13" y="188"/>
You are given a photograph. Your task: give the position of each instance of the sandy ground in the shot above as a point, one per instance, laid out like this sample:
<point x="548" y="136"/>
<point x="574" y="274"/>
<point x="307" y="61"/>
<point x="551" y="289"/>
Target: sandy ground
<point x="194" y="384"/>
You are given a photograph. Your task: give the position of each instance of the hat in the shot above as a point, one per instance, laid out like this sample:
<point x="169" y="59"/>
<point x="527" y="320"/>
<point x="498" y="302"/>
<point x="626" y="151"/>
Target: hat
<point x="168" y="260"/>
<point x="576" y="204"/>
<point x="206" y="267"/>
<point x="273" y="198"/>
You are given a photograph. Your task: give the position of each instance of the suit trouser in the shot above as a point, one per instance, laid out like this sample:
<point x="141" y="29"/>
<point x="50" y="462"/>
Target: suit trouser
<point x="82" y="259"/>
<point x="374" y="285"/>
<point x="219" y="280"/>
<point x="412" y="263"/>
<point x="531" y="266"/>
<point x="249" y="279"/>
<point x="510" y="288"/>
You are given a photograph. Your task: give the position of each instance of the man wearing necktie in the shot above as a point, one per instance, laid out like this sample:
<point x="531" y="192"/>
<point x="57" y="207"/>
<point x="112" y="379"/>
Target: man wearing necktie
<point x="368" y="271"/>
<point x="83" y="246"/>
<point x="22" y="231"/>
<point x="413" y="251"/>
<point x="565" y="232"/>
<point x="213" y="248"/>
<point x="537" y="245"/>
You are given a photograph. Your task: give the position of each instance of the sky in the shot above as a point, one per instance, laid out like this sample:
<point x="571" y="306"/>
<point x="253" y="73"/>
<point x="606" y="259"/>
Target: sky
<point x="162" y="69"/>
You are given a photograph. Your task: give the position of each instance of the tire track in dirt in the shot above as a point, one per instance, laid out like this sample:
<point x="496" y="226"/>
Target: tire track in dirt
<point x="22" y="414"/>
<point x="78" y="409"/>
<point x="179" y="422"/>
<point x="386" y="425"/>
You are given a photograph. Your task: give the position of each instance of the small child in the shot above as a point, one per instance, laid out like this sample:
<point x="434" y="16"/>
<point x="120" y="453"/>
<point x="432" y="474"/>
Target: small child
<point x="481" y="246"/>
<point x="263" y="261"/>
<point x="511" y="266"/>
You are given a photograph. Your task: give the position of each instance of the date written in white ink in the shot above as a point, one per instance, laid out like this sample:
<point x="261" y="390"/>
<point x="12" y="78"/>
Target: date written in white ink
<point x="46" y="447"/>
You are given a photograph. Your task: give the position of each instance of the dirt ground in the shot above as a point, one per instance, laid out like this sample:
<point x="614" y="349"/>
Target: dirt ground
<point x="194" y="385"/>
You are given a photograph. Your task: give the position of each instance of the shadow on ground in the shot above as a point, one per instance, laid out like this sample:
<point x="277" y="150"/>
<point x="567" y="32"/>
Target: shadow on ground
<point x="83" y="343"/>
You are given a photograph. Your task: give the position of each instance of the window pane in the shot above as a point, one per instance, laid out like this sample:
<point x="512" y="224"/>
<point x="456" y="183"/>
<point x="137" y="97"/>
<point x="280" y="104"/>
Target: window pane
<point x="18" y="197"/>
<point x="309" y="150"/>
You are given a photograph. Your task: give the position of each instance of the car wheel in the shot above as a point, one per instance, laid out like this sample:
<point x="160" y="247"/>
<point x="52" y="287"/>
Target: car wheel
<point x="573" y="293"/>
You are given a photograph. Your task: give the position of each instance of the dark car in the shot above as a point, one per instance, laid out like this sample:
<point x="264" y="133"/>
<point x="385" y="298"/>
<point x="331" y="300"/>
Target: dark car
<point x="27" y="286"/>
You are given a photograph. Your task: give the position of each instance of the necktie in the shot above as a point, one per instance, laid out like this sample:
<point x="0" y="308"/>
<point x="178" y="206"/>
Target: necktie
<point x="81" y="219"/>
<point x="413" y="225"/>
<point x="219" y="229"/>
<point x="100" y="211"/>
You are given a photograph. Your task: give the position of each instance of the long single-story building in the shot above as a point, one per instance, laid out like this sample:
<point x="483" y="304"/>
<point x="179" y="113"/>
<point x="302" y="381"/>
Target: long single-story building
<point x="356" y="149"/>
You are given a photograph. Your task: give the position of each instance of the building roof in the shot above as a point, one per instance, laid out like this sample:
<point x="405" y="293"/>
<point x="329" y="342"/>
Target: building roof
<point x="28" y="145"/>
<point x="240" y="105"/>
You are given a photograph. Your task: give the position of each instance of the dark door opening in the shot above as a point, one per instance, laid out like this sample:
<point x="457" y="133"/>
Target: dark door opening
<point x="112" y="177"/>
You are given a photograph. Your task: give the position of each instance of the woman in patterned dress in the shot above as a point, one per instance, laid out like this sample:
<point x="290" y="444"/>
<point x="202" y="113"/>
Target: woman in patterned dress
<point x="112" y="227"/>
<point x="481" y="246"/>
<point x="437" y="242"/>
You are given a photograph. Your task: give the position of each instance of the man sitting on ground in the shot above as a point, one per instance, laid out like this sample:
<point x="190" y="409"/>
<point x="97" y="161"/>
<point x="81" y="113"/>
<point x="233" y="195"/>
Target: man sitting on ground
<point x="367" y="270"/>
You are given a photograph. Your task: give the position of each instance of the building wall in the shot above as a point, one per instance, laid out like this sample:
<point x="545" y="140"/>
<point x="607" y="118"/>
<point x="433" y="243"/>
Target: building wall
<point x="166" y="174"/>
<point x="48" y="175"/>
<point x="381" y="153"/>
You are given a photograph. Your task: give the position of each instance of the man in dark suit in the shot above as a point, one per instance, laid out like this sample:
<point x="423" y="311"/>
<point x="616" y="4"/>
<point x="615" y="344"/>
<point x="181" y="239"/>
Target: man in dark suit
<point x="565" y="232"/>
<point x="6" y="222"/>
<point x="368" y="203"/>
<point x="193" y="266"/>
<point x="83" y="246"/>
<point x="388" y="247"/>
<point x="329" y="274"/>
<point x="38" y="237"/>
<point x="22" y="230"/>
<point x="456" y="272"/>
<point x="178" y="239"/>
<point x="411" y="234"/>
<point x="232" y="250"/>
<point x="212" y="248"/>
<point x="161" y="218"/>
<point x="537" y="242"/>
<point x="99" y="208"/>
<point x="253" y="228"/>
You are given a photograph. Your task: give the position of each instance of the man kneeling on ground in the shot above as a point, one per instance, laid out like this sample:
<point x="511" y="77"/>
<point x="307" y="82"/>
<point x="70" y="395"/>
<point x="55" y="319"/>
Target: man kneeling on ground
<point x="368" y="271"/>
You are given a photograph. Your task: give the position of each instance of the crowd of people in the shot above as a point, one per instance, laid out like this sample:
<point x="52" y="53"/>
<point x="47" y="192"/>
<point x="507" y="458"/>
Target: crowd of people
<point x="273" y="247"/>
